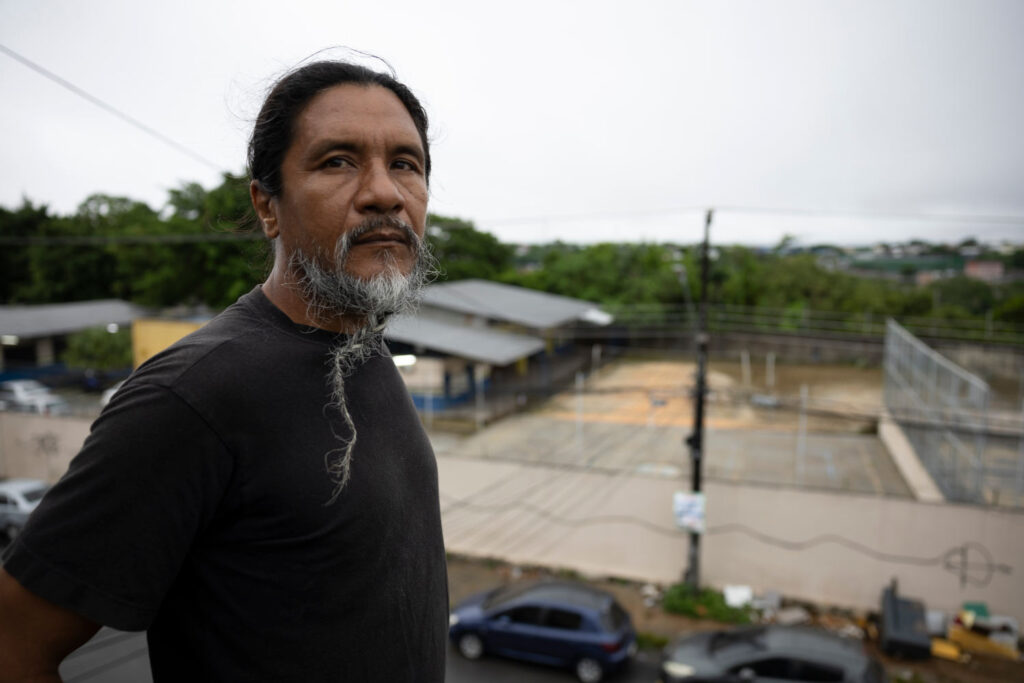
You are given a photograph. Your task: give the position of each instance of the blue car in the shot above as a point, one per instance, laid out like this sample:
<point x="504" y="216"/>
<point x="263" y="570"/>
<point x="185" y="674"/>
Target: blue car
<point x="559" y="623"/>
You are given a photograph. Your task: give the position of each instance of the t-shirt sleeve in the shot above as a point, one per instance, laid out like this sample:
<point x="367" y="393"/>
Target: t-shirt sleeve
<point x="110" y="537"/>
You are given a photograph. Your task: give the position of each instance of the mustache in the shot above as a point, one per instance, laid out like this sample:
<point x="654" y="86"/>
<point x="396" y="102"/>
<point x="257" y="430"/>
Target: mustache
<point x="374" y="223"/>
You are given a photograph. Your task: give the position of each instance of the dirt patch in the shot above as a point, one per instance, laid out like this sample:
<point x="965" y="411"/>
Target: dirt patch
<point x="840" y="398"/>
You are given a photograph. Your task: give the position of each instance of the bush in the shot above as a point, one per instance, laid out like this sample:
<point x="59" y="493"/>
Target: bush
<point x="650" y="641"/>
<point x="706" y="604"/>
<point x="98" y="349"/>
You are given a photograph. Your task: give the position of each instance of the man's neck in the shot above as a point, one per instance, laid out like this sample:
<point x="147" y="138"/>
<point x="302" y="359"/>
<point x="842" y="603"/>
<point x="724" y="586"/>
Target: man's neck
<point x="284" y="295"/>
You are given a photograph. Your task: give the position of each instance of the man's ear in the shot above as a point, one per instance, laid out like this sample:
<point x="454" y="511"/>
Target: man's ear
<point x="263" y="203"/>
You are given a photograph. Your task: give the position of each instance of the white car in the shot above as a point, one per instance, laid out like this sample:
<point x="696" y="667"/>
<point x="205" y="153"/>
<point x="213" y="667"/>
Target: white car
<point x="109" y="394"/>
<point x="28" y="395"/>
<point x="18" y="498"/>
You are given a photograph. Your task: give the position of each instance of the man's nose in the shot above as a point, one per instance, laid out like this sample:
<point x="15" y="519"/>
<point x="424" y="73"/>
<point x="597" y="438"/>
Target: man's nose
<point x="379" y="191"/>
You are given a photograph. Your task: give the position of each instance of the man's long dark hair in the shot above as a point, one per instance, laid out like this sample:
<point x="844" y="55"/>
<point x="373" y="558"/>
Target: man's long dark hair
<point x="274" y="129"/>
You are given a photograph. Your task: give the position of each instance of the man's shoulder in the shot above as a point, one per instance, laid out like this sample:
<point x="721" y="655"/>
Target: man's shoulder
<point x="224" y="339"/>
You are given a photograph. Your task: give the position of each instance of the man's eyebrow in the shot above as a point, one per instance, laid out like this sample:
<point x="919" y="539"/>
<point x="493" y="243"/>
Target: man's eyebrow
<point x="333" y="146"/>
<point x="411" y="150"/>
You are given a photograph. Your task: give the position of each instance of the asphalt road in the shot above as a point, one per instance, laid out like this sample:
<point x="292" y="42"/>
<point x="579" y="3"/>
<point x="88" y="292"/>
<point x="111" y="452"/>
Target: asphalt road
<point x="119" y="657"/>
<point x="643" y="669"/>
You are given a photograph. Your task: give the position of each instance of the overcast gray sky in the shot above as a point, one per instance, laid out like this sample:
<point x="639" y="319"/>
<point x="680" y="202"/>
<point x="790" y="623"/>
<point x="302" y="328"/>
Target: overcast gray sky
<point x="580" y="121"/>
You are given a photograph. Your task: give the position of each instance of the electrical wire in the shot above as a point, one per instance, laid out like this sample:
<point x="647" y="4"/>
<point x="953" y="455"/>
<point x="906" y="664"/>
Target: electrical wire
<point x="131" y="120"/>
<point x="102" y="240"/>
<point x="587" y="216"/>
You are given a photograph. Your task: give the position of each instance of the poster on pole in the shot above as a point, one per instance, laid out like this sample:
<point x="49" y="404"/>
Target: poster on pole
<point x="688" y="510"/>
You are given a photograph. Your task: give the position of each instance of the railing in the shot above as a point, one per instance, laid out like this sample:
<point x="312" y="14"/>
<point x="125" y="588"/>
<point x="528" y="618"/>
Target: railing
<point x="728" y="318"/>
<point x="943" y="410"/>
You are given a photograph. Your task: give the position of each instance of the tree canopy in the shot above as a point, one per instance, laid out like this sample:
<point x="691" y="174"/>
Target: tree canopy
<point x="203" y="247"/>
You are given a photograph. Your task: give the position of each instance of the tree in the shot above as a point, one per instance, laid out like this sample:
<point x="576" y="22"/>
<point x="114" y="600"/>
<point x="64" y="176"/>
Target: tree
<point x="15" y="259"/>
<point x="96" y="348"/>
<point x="1011" y="310"/>
<point x="973" y="297"/>
<point x="464" y="252"/>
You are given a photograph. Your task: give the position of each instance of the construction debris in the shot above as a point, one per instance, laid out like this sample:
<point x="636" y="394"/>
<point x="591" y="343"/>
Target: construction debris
<point x="990" y="635"/>
<point x="945" y="649"/>
<point x="902" y="628"/>
<point x="738" y="596"/>
<point x="791" y="616"/>
<point x="769" y="600"/>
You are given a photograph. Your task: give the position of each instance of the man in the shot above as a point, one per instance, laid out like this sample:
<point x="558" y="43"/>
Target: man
<point x="261" y="496"/>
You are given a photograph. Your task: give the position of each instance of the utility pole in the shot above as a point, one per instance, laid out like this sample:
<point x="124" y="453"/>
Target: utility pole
<point x="696" y="440"/>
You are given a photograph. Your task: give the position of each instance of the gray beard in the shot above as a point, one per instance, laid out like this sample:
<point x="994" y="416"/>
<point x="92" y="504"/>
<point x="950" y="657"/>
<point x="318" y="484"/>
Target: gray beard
<point x="330" y="292"/>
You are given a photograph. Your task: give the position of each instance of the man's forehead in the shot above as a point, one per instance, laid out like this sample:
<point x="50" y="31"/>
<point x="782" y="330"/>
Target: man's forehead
<point x="356" y="109"/>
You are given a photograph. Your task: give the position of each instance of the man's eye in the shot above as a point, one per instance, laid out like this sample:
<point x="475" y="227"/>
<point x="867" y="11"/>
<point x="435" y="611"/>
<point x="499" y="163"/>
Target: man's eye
<point x="337" y="162"/>
<point x="405" y="165"/>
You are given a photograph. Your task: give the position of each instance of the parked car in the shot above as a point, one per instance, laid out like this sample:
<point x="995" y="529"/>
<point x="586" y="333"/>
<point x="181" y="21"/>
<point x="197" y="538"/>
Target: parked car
<point x="109" y="394"/>
<point x="18" y="498"/>
<point x="768" y="653"/>
<point x="559" y="623"/>
<point x="28" y="395"/>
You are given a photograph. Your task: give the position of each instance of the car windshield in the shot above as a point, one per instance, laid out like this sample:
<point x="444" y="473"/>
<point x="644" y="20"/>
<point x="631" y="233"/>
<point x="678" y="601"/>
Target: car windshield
<point x="32" y="495"/>
<point x="505" y="593"/>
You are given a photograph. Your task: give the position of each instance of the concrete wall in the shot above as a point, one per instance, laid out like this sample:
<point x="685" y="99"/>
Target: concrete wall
<point x="806" y="544"/>
<point x="811" y="545"/>
<point x="39" y="446"/>
<point x="928" y="538"/>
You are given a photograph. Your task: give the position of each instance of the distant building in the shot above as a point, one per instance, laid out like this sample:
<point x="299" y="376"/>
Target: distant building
<point x="468" y="337"/>
<point x="987" y="271"/>
<point x="32" y="337"/>
<point x="476" y="335"/>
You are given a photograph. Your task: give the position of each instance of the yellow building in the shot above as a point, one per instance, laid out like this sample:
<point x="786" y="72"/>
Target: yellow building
<point x="150" y="336"/>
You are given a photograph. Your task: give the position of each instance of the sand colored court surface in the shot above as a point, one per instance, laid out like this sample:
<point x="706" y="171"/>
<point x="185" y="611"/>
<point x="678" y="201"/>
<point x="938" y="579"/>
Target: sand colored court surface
<point x="658" y="392"/>
<point x="635" y="415"/>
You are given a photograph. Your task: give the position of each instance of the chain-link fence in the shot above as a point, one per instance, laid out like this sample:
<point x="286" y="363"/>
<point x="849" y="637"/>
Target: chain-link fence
<point x="944" y="412"/>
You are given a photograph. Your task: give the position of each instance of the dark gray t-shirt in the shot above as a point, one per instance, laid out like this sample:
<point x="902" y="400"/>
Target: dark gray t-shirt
<point x="198" y="509"/>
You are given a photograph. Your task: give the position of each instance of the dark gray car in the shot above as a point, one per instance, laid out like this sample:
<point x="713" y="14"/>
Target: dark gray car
<point x="768" y="653"/>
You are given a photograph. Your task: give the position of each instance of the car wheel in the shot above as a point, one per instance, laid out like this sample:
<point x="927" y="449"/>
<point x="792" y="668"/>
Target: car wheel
<point x="471" y="646"/>
<point x="589" y="670"/>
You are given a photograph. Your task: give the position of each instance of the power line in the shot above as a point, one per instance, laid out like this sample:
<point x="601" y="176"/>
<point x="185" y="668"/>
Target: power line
<point x="101" y="240"/>
<point x="836" y="213"/>
<point x="110" y="108"/>
<point x="1007" y="219"/>
<point x="866" y="213"/>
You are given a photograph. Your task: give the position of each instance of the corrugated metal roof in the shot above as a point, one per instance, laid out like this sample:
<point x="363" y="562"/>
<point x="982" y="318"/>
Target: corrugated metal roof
<point x="480" y="344"/>
<point x="508" y="303"/>
<point x="43" y="320"/>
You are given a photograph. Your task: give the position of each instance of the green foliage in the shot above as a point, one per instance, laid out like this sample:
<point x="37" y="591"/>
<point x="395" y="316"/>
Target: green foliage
<point x="1011" y="310"/>
<point x="199" y="248"/>
<point x="1015" y="260"/>
<point x="15" y="261"/>
<point x="623" y="274"/>
<point x="463" y="252"/>
<point x="706" y="604"/>
<point x="98" y="349"/>
<point x="158" y="265"/>
<point x="650" y="641"/>
<point x="973" y="296"/>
